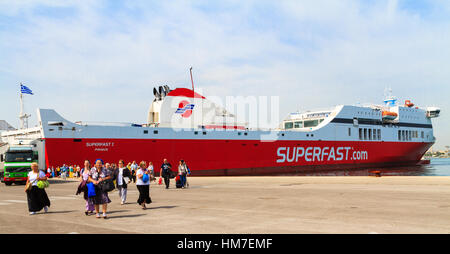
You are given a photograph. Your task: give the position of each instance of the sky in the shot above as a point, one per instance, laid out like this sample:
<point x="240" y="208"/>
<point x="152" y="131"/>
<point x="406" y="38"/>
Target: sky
<point x="98" y="60"/>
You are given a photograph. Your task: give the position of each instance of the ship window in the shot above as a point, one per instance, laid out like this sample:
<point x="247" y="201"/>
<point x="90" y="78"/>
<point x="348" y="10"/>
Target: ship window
<point x="204" y="133"/>
<point x="379" y="134"/>
<point x="298" y="124"/>
<point x="146" y="132"/>
<point x="155" y="132"/>
<point x="321" y="120"/>
<point x="370" y="134"/>
<point x="360" y="134"/>
<point x="399" y="135"/>
<point x="422" y="135"/>
<point x="365" y="134"/>
<point x="288" y="125"/>
<point x="349" y="132"/>
<point x="311" y="123"/>
<point x="195" y="132"/>
<point x="245" y="133"/>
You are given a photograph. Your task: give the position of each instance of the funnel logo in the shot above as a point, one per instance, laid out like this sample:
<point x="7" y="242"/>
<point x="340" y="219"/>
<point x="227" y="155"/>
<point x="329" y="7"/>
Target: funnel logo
<point x="185" y="109"/>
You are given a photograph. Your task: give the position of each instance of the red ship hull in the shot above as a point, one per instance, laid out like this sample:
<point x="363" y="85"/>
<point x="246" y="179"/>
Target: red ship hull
<point x="237" y="157"/>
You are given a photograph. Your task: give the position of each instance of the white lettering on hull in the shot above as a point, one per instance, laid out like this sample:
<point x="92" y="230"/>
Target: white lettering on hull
<point x="319" y="154"/>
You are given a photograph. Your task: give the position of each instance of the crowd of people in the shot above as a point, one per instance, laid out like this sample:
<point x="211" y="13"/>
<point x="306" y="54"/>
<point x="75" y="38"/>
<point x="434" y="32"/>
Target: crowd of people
<point x="97" y="181"/>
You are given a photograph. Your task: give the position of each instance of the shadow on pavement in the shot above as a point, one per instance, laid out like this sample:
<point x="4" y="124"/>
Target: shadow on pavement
<point x="160" y="207"/>
<point x="125" y="216"/>
<point x="50" y="212"/>
<point x="117" y="211"/>
<point x="54" y="181"/>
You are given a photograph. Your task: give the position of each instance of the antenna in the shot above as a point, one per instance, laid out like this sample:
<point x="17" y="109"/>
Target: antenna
<point x="192" y="80"/>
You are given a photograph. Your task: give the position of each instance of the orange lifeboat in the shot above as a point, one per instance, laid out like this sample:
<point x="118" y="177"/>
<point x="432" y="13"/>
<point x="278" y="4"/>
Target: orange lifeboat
<point x="387" y="115"/>
<point x="409" y="104"/>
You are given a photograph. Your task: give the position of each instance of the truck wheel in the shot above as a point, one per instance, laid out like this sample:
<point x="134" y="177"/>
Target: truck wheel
<point x="8" y="183"/>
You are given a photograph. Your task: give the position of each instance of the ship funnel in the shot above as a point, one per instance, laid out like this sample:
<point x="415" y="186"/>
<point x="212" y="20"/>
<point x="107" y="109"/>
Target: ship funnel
<point x="162" y="92"/>
<point x="156" y="93"/>
<point x="166" y="89"/>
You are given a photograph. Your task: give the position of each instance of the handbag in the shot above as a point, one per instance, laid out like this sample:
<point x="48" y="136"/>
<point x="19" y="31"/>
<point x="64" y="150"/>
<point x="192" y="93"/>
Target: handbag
<point x="91" y="190"/>
<point x="127" y="180"/>
<point x="107" y="185"/>
<point x="145" y="178"/>
<point x="30" y="184"/>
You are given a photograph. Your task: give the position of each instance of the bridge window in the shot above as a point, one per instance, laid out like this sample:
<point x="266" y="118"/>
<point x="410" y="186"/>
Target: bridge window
<point x="298" y="124"/>
<point x="311" y="123"/>
<point x="288" y="125"/>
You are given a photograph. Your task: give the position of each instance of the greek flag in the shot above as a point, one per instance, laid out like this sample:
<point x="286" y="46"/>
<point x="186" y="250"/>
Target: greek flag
<point x="24" y="89"/>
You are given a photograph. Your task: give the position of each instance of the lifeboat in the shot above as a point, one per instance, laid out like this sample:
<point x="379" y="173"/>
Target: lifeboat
<point x="387" y="115"/>
<point x="409" y="104"/>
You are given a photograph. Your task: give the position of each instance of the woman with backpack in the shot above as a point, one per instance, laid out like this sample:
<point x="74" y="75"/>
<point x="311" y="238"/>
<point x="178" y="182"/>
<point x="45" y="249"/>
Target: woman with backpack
<point x="143" y="185"/>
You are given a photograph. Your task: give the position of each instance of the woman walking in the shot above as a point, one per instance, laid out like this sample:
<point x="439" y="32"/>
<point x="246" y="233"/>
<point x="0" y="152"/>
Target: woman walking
<point x="84" y="178"/>
<point x="152" y="171"/>
<point x="120" y="175"/>
<point x="182" y="172"/>
<point x="96" y="176"/>
<point x="143" y="185"/>
<point x="37" y="198"/>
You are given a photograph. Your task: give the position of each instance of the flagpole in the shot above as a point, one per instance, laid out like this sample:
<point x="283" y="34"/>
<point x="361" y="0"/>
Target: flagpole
<point x="21" y="108"/>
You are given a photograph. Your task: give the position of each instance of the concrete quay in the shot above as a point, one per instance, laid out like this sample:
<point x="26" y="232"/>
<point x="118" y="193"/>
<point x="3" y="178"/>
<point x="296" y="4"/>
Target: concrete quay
<point x="285" y="204"/>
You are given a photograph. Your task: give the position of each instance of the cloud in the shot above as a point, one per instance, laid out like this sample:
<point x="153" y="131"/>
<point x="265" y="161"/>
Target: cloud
<point x="106" y="56"/>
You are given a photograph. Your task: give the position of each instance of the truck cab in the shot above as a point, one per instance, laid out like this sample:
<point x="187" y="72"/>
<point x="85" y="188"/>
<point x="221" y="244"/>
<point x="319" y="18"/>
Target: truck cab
<point x="17" y="163"/>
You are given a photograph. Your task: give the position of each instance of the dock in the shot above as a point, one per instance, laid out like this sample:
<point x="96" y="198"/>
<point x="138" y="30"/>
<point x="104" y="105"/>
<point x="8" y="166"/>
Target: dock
<point x="284" y="204"/>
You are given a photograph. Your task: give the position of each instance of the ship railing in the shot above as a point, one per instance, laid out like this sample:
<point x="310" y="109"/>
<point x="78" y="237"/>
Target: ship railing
<point x="120" y="124"/>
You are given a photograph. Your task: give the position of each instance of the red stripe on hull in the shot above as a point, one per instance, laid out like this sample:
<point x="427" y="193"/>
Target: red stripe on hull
<point x="237" y="157"/>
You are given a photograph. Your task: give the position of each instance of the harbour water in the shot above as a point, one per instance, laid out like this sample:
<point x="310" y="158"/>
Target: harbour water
<point x="437" y="167"/>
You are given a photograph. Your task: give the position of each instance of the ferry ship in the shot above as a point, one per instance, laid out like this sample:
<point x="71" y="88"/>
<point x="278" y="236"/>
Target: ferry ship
<point x="183" y="124"/>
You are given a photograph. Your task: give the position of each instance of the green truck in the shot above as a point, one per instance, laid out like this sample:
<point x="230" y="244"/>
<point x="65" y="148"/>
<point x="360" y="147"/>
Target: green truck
<point x="17" y="163"/>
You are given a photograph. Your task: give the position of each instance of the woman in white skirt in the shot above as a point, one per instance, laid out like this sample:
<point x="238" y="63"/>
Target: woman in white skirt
<point x="37" y="198"/>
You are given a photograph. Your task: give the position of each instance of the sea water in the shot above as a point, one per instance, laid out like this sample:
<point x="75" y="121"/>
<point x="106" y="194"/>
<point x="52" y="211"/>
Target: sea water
<point x="437" y="167"/>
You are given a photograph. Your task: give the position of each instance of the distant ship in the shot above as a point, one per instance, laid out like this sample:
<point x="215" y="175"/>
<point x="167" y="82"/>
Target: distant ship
<point x="183" y="124"/>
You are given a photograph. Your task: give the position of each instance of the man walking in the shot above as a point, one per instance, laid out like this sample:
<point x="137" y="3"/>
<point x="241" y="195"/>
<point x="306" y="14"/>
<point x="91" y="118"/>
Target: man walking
<point x="165" y="172"/>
